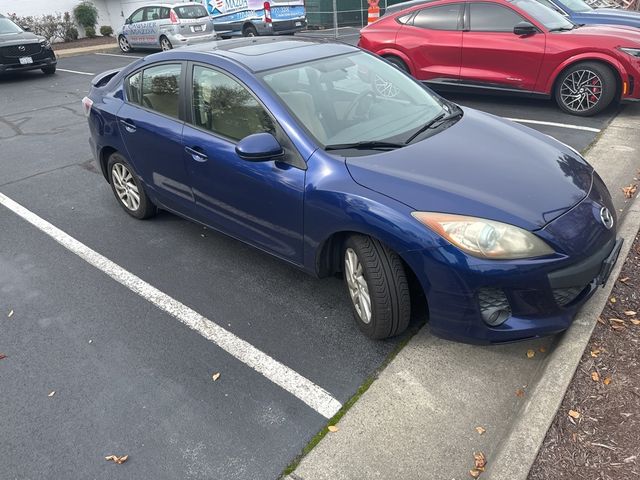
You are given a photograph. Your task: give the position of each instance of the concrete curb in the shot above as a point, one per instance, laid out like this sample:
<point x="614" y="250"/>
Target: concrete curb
<point x="518" y="450"/>
<point x="71" y="52"/>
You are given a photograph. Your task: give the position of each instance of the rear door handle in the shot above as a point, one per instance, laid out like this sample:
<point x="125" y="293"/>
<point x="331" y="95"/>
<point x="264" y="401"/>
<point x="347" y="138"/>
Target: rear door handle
<point x="196" y="154"/>
<point x="128" y="125"/>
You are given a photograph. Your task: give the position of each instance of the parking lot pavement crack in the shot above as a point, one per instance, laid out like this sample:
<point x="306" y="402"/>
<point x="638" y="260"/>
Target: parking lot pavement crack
<point x="17" y="131"/>
<point x="46" y="172"/>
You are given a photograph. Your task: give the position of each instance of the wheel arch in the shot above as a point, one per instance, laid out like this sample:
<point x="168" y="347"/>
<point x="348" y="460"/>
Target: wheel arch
<point x="391" y="52"/>
<point x="105" y="153"/>
<point x="614" y="65"/>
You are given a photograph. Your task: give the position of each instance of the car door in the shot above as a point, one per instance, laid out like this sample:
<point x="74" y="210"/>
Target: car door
<point x="133" y="28"/>
<point x="154" y="18"/>
<point x="492" y="55"/>
<point x="432" y="38"/>
<point x="258" y="202"/>
<point x="151" y="127"/>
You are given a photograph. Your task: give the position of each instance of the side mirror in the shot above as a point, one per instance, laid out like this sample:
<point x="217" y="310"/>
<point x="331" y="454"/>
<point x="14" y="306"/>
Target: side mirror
<point x="259" y="147"/>
<point x="127" y="21"/>
<point x="26" y="28"/>
<point x="525" y="28"/>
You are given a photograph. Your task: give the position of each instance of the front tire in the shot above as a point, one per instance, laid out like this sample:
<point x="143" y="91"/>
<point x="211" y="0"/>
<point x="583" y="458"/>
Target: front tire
<point x="123" y="43"/>
<point x="398" y="63"/>
<point x="585" y="89"/>
<point x="49" y="70"/>
<point x="377" y="285"/>
<point x="128" y="190"/>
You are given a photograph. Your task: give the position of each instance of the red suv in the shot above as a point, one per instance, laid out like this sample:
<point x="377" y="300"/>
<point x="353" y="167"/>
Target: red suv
<point x="515" y="46"/>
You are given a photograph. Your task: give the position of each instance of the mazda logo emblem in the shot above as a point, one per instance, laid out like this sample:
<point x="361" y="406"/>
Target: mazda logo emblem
<point x="606" y="217"/>
<point x="22" y="48"/>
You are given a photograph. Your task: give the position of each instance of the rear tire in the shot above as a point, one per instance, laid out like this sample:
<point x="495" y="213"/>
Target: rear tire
<point x="165" y="44"/>
<point x="585" y="89"/>
<point x="249" y="31"/>
<point x="49" y="70"/>
<point x="127" y="189"/>
<point x="377" y="285"/>
<point x="398" y="63"/>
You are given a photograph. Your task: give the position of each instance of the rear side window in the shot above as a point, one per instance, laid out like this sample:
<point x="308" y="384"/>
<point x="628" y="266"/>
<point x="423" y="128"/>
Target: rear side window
<point x="191" y="11"/>
<point x="444" y="17"/>
<point x="224" y="106"/>
<point x="487" y="17"/>
<point x="156" y="88"/>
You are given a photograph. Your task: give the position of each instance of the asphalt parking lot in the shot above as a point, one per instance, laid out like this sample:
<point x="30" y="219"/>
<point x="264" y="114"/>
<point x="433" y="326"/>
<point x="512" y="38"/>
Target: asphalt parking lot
<point x="128" y="377"/>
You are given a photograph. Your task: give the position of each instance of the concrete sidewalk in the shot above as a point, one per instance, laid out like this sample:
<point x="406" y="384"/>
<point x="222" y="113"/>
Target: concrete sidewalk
<point x="71" y="52"/>
<point x="418" y="419"/>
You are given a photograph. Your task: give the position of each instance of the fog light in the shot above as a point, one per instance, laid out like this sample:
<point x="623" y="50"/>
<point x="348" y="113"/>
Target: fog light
<point x="494" y="306"/>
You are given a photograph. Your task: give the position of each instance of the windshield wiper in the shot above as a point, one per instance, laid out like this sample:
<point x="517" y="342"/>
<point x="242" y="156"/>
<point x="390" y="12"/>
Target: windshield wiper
<point x="563" y="29"/>
<point x="366" y="145"/>
<point x="436" y="122"/>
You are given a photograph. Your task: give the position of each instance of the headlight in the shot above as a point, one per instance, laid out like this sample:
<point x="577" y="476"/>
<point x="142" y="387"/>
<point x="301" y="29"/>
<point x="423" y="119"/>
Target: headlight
<point x="634" y="52"/>
<point x="484" y="238"/>
<point x="45" y="44"/>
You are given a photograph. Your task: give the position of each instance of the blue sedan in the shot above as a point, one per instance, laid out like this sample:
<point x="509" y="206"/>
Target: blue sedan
<point x="333" y="160"/>
<point x="581" y="13"/>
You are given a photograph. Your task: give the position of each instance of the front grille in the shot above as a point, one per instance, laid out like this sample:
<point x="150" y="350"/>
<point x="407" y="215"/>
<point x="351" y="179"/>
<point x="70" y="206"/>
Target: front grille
<point x="564" y="296"/>
<point x="494" y="306"/>
<point x="26" y="50"/>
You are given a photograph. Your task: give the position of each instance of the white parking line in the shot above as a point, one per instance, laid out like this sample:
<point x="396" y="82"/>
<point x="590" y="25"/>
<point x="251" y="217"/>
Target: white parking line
<point x="74" y="71"/>
<point x="307" y="391"/>
<point x="554" y="124"/>
<point x="118" y="55"/>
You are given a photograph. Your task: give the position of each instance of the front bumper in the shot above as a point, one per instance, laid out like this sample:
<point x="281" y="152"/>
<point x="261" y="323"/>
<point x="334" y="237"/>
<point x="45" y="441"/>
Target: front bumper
<point x="538" y="297"/>
<point x="39" y="61"/>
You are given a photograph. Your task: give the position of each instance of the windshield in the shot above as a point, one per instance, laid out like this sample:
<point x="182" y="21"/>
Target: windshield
<point x="577" y="5"/>
<point x="7" y="26"/>
<point x="191" y="11"/>
<point x="551" y="19"/>
<point x="353" y="98"/>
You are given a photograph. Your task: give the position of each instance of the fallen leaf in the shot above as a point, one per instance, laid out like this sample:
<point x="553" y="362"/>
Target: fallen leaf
<point x="480" y="430"/>
<point x="574" y="414"/>
<point x="480" y="460"/>
<point x="2" y="355"/>
<point x="617" y="320"/>
<point x="215" y="376"/>
<point x="110" y="457"/>
<point x="624" y="280"/>
<point x="51" y="393"/>
<point x="617" y="327"/>
<point x="613" y="300"/>
<point x="117" y="459"/>
<point x="332" y="428"/>
<point x="595" y="353"/>
<point x="635" y="321"/>
<point x="531" y="353"/>
<point x="595" y="377"/>
<point x="630" y="190"/>
<point x="630" y="313"/>
<point x="10" y="314"/>
<point x="607" y="380"/>
<point x="520" y="393"/>
<point x="475" y="472"/>
<point x="600" y="320"/>
<point x="542" y="349"/>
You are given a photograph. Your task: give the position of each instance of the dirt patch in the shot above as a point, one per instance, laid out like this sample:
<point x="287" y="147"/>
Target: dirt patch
<point x="85" y="42"/>
<point x="596" y="432"/>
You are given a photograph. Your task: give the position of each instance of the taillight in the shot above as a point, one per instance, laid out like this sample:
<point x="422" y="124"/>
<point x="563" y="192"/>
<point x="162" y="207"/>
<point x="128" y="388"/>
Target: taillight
<point x="267" y="12"/>
<point x="173" y="17"/>
<point x="87" y="103"/>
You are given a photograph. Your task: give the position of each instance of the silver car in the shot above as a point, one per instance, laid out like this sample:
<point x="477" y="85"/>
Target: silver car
<point x="166" y="27"/>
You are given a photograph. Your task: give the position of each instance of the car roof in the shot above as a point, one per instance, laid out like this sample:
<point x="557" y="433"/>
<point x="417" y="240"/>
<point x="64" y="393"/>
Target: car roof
<point x="398" y="7"/>
<point x="170" y="5"/>
<point x="266" y="53"/>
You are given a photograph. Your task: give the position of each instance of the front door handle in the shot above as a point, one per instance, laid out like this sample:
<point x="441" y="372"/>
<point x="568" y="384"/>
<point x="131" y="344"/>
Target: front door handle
<point x="128" y="125"/>
<point x="196" y="154"/>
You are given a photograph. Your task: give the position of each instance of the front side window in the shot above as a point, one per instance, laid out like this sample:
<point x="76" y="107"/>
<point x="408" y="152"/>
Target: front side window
<point x="444" y="17"/>
<point x="353" y="98"/>
<point x="160" y="90"/>
<point x="487" y="17"/>
<point x="224" y="106"/>
<point x="134" y="86"/>
<point x="137" y="16"/>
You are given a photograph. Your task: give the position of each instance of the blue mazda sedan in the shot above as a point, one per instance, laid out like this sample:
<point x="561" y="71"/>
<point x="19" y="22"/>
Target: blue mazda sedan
<point x="333" y="160"/>
<point x="581" y="13"/>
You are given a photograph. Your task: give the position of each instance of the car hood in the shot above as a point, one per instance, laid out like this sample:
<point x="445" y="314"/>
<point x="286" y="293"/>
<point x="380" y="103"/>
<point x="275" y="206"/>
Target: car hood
<point x="18" y="38"/>
<point x="481" y="166"/>
<point x="625" y="34"/>
<point x="626" y="17"/>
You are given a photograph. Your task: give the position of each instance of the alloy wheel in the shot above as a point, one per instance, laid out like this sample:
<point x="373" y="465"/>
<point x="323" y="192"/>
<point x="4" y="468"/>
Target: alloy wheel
<point x="124" y="44"/>
<point x="581" y="90"/>
<point x="125" y="186"/>
<point x="165" y="44"/>
<point x="358" y="288"/>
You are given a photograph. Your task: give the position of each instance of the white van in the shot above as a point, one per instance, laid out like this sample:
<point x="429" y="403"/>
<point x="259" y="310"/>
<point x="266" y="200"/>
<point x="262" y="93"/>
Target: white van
<point x="257" y="17"/>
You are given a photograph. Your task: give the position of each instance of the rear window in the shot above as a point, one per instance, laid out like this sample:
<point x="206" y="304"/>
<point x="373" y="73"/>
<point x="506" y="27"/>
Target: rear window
<point x="191" y="11"/>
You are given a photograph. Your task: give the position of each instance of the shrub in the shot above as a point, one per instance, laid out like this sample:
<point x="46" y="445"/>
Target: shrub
<point x="68" y="28"/>
<point x="106" y="31"/>
<point x="71" y="34"/>
<point x="86" y="14"/>
<point x="90" y="32"/>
